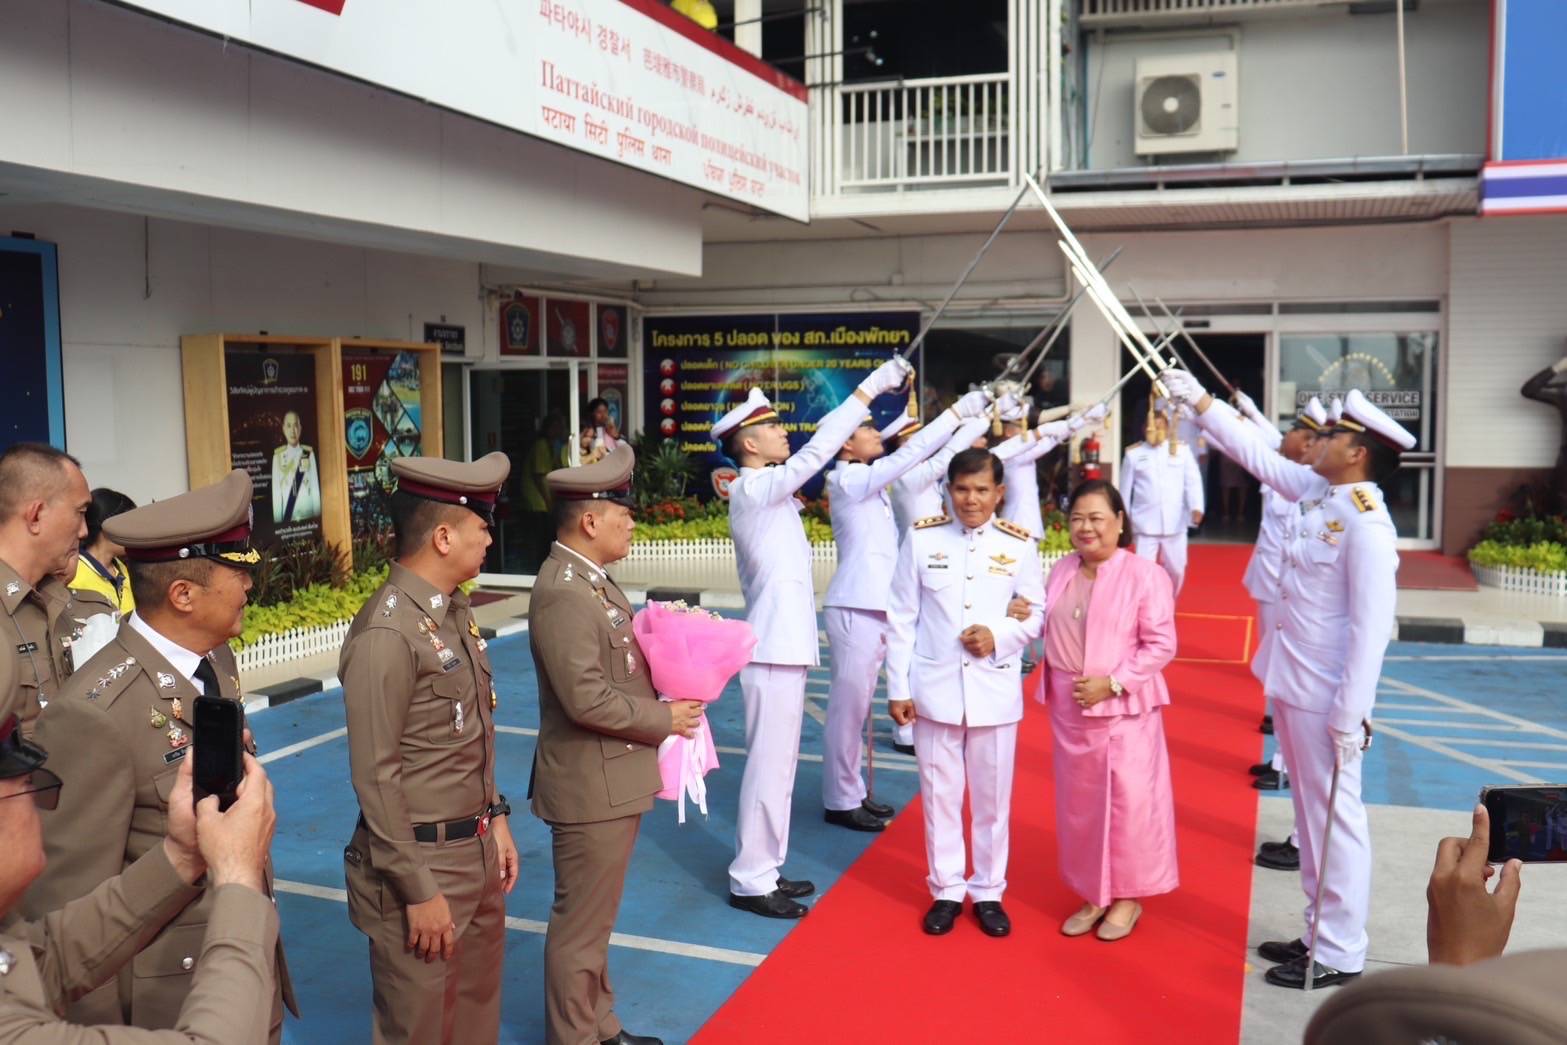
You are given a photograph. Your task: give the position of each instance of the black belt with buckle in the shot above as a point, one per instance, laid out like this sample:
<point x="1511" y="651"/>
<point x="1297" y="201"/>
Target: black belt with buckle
<point x="467" y="827"/>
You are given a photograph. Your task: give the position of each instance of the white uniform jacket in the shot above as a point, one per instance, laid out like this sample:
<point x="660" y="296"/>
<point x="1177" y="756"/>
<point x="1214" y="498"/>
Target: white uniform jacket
<point x="1161" y="489"/>
<point x="1278" y="516"/>
<point x="917" y="494"/>
<point x="948" y="578"/>
<point x="1018" y="456"/>
<point x="863" y="526"/>
<point x="771" y="551"/>
<point x="1337" y="587"/>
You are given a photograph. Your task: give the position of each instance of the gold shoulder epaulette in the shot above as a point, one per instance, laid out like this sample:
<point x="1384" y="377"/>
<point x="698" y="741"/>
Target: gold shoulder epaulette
<point x="1014" y="530"/>
<point x="1362" y="499"/>
<point x="934" y="520"/>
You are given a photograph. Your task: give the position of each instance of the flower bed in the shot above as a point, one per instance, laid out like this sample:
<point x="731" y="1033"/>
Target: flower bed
<point x="1525" y="554"/>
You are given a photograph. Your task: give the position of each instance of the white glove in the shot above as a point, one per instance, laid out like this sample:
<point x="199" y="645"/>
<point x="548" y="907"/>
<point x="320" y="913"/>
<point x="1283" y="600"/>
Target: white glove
<point x="1183" y="387"/>
<point x="1350" y="746"/>
<point x="1246" y="406"/>
<point x="972" y="404"/>
<point x="1008" y="403"/>
<point x="1060" y="431"/>
<point x="1560" y="365"/>
<point x="1088" y="418"/>
<point x="889" y="377"/>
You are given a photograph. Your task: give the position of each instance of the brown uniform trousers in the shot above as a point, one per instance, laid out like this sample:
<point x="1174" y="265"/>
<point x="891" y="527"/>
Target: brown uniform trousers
<point x="419" y="696"/>
<point x="595" y="774"/>
<point x="37" y="628"/>
<point x="57" y="959"/>
<point x="119" y="769"/>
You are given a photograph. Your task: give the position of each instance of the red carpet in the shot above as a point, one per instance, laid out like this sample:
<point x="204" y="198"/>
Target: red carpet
<point x="860" y="969"/>
<point x="1434" y="571"/>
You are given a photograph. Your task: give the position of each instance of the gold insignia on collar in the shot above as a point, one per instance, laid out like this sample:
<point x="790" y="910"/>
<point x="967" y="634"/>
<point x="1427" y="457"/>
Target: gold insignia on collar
<point x="1335" y="526"/>
<point x="1362" y="500"/>
<point x="473" y="627"/>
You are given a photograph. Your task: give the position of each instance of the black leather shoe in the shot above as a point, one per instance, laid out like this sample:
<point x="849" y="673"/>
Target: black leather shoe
<point x="1261" y="768"/>
<point x="1266" y="726"/>
<point x="773" y="905"/>
<point x="992" y="919"/>
<point x="795" y="889"/>
<point x="856" y="819"/>
<point x="1281" y="952"/>
<point x="1293" y="975"/>
<point x="1272" y="781"/>
<point x="1278" y="856"/>
<point x="903" y="749"/>
<point x="941" y="917"/>
<point x="632" y="1039"/>
<point x="878" y="809"/>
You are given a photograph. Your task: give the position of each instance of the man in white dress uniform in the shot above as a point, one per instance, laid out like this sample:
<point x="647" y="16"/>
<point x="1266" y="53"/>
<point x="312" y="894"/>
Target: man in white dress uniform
<point x="1337" y="593"/>
<point x="1162" y="487"/>
<point x="774" y="559"/>
<point x="953" y="657"/>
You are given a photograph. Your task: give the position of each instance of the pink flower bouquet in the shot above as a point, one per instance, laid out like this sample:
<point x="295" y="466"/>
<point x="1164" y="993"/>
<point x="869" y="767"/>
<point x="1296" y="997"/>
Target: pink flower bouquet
<point x="692" y="654"/>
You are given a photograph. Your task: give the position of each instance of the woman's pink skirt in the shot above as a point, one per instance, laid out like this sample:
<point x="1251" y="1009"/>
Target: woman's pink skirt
<point x="1115" y="813"/>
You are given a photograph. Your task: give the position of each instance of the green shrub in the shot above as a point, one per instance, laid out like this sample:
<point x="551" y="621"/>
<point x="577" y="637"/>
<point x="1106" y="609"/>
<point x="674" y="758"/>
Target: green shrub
<point x="315" y="606"/>
<point x="285" y="572"/>
<point x="1526" y="531"/>
<point x="1544" y="556"/>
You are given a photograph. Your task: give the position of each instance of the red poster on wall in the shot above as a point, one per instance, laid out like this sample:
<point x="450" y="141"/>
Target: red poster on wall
<point x="612" y="331"/>
<point x="520" y="326"/>
<point x="381" y="420"/>
<point x="568" y="327"/>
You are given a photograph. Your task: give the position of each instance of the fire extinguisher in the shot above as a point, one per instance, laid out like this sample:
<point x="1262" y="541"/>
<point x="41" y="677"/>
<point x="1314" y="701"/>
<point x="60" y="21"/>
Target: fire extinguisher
<point x="1088" y="458"/>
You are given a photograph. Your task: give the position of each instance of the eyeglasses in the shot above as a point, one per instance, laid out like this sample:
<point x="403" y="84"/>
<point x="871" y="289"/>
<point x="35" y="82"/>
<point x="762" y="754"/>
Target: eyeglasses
<point x="45" y="789"/>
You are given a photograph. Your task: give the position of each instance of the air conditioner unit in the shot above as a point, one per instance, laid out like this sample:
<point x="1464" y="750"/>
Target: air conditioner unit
<point x="1186" y="103"/>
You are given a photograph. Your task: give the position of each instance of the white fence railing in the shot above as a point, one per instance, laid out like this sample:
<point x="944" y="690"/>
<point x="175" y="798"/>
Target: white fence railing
<point x="291" y="645"/>
<point x="944" y="131"/>
<point x="1531" y="582"/>
<point x="707" y="552"/>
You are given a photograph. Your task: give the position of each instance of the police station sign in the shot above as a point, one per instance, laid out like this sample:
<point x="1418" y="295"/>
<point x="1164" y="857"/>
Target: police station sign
<point x="629" y="81"/>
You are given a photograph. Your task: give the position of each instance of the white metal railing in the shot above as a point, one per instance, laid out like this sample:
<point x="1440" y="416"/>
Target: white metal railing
<point x="1128" y="12"/>
<point x="944" y="131"/>
<point x="1531" y="582"/>
<point x="648" y="553"/>
<point x="291" y="645"/>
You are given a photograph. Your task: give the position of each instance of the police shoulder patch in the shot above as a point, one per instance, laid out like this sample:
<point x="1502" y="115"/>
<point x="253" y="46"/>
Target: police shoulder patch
<point x="934" y="520"/>
<point x="1362" y="499"/>
<point x="1014" y="530"/>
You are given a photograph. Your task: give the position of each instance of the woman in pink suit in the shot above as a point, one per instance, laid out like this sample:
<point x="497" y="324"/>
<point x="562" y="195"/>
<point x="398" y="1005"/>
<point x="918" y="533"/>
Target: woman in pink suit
<point x="1109" y="632"/>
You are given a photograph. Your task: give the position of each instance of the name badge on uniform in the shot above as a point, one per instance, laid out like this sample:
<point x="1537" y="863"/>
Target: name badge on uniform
<point x="451" y="664"/>
<point x="27" y="647"/>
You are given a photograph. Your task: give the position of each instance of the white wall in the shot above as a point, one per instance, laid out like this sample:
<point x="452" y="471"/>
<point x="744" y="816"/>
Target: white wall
<point x="1506" y="322"/>
<point x="121" y="319"/>
<point x="113" y="108"/>
<point x="1322" y="85"/>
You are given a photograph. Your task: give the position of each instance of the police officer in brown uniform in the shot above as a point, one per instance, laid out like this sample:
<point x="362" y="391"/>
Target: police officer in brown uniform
<point x="595" y="769"/>
<point x="123" y="723"/>
<point x="432" y="858"/>
<point x="47" y="963"/>
<point x="43" y="514"/>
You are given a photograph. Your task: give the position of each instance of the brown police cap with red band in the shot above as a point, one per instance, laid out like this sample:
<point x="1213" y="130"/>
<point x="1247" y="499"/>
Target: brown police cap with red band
<point x="607" y="479"/>
<point x="210" y="523"/>
<point x="475" y="485"/>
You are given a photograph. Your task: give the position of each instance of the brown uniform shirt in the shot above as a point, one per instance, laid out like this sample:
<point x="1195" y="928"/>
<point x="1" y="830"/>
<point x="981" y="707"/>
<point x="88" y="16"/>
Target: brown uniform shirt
<point x="111" y="735"/>
<point x="36" y="632"/>
<point x="420" y="698"/>
<point x="49" y="963"/>
<point x="600" y="721"/>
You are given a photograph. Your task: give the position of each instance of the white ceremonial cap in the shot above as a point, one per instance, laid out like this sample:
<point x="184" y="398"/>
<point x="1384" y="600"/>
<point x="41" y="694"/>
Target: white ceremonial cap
<point x="1335" y="409"/>
<point x="1313" y="416"/>
<point x="1362" y="415"/>
<point x="906" y="424"/>
<point x="756" y="410"/>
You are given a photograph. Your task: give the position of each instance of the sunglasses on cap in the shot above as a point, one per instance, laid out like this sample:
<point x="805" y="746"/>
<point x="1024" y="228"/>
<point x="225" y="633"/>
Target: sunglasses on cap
<point x="45" y="789"/>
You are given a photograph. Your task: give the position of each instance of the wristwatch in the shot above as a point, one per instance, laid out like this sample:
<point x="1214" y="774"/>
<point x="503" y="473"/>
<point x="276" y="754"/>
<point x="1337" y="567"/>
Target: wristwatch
<point x="1116" y="689"/>
<point x="501" y="808"/>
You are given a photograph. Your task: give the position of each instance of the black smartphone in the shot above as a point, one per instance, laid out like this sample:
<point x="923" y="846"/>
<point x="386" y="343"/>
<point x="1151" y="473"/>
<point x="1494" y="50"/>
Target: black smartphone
<point x="220" y="750"/>
<point x="1528" y="822"/>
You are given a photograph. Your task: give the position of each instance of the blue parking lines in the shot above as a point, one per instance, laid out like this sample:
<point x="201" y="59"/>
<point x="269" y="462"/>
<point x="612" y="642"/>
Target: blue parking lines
<point x="679" y="952"/>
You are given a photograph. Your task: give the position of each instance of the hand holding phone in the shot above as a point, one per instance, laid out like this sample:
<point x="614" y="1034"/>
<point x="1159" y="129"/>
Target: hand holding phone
<point x="1466" y="922"/>
<point x="220" y="752"/>
<point x="1528" y="823"/>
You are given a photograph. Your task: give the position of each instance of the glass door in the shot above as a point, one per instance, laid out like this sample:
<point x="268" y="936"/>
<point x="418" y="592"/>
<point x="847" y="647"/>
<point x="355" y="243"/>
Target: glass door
<point x="529" y="415"/>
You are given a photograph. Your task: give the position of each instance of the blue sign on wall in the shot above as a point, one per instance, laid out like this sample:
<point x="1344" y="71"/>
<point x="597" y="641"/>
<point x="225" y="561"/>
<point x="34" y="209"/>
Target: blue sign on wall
<point x="1526" y="172"/>
<point x="30" y="344"/>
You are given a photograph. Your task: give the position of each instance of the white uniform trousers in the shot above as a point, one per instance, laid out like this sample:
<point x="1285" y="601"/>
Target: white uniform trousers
<point x="1346" y="891"/>
<point x="983" y="756"/>
<point x="774" y="696"/>
<point x="1171" y="553"/>
<point x="858" y="640"/>
<point x="1268" y="618"/>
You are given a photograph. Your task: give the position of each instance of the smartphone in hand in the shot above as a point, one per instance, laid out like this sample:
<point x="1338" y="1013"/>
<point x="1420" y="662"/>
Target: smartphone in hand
<point x="1528" y="822"/>
<point x="220" y="752"/>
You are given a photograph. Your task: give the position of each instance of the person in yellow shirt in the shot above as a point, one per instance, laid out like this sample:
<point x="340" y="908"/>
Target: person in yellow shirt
<point x="99" y="568"/>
